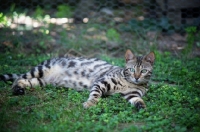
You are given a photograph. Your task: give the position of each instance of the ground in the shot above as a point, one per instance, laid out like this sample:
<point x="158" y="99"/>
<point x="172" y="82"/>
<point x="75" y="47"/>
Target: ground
<point x="173" y="101"/>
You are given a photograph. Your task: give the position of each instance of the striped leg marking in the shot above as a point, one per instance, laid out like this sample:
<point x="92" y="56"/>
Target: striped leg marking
<point x="20" y="85"/>
<point x="135" y="99"/>
<point x="95" y="95"/>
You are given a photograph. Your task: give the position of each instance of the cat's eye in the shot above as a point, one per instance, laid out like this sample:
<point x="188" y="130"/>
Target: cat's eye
<point x="132" y="69"/>
<point x="144" y="71"/>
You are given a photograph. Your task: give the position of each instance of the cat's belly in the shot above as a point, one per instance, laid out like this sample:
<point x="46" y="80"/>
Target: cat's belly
<point x="77" y="83"/>
<point x="70" y="82"/>
<point x="60" y="77"/>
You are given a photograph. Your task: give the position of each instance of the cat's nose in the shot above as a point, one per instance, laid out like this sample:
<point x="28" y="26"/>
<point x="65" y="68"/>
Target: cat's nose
<point x="136" y="79"/>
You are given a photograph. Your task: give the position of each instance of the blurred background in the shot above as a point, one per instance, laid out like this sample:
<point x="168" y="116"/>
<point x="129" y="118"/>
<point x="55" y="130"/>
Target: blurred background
<point x="93" y="27"/>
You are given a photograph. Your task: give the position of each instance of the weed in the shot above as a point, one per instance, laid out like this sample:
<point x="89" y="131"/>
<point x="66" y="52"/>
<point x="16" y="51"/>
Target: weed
<point x="3" y="20"/>
<point x="113" y="35"/>
<point x="64" y="11"/>
<point x="190" y="39"/>
<point x="172" y="102"/>
<point x="39" y="13"/>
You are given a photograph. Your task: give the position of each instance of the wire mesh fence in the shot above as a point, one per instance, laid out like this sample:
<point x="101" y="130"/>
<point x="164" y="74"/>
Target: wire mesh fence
<point x="97" y="24"/>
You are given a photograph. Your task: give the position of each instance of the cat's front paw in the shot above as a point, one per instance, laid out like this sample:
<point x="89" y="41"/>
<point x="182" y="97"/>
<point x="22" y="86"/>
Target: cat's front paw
<point x="88" y="104"/>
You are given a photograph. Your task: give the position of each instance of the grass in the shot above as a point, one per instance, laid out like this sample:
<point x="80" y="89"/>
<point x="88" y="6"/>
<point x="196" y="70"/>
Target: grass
<point x="173" y="101"/>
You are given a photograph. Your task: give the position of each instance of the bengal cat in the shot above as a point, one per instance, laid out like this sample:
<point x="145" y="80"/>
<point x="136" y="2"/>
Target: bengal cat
<point x="97" y="76"/>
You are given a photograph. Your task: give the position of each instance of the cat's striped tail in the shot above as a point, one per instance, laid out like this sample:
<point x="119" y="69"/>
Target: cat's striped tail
<point x="9" y="77"/>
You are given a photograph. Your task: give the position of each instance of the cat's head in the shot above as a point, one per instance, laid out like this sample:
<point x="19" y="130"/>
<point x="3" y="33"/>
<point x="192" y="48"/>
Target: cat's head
<point x="138" y="70"/>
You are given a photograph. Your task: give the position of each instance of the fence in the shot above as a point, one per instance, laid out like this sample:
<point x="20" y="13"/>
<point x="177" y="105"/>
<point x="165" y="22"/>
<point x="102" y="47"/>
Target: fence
<point x="109" y="22"/>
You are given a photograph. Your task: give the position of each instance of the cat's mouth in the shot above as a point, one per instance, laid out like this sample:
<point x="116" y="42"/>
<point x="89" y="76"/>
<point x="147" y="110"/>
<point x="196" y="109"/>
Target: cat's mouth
<point x="135" y="81"/>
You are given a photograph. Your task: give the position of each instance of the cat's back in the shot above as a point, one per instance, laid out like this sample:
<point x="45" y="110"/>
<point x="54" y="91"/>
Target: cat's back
<point x="77" y="62"/>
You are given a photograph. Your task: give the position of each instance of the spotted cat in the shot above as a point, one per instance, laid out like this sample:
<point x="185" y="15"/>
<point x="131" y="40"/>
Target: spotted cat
<point x="97" y="76"/>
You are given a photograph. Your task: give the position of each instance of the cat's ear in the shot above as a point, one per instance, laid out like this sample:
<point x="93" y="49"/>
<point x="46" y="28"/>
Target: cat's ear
<point x="150" y="58"/>
<point x="129" y="55"/>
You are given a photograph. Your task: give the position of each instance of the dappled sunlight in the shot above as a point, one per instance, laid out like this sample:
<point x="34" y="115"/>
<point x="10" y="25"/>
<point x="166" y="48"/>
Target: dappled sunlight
<point x="85" y="20"/>
<point x="28" y="23"/>
<point x="60" y="21"/>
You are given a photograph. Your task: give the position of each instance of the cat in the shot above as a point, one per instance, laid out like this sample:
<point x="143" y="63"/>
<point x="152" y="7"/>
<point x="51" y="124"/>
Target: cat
<point x="97" y="76"/>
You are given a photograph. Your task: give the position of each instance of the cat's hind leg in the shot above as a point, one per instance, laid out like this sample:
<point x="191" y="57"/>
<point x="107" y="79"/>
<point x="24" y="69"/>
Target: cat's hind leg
<point x="30" y="79"/>
<point x="19" y="86"/>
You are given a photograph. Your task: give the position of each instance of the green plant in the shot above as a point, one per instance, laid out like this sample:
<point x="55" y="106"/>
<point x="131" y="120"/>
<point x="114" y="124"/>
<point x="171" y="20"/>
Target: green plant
<point x="190" y="39"/>
<point x="3" y="20"/>
<point x="39" y="13"/>
<point x="172" y="101"/>
<point x="64" y="11"/>
<point x="113" y="35"/>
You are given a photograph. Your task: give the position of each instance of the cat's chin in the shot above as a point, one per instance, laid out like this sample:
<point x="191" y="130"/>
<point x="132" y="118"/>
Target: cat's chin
<point x="136" y="82"/>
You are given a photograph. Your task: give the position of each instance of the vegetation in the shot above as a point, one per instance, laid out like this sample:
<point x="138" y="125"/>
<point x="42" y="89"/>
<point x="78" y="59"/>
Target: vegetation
<point x="173" y="102"/>
<point x="190" y="39"/>
<point x="64" y="11"/>
<point x="3" y="20"/>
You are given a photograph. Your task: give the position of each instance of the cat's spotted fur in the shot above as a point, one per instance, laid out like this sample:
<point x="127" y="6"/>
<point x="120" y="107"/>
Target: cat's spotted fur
<point x="97" y="76"/>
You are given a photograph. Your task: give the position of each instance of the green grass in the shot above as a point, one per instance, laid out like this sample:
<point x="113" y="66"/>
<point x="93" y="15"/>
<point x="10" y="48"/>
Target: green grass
<point x="173" y="101"/>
